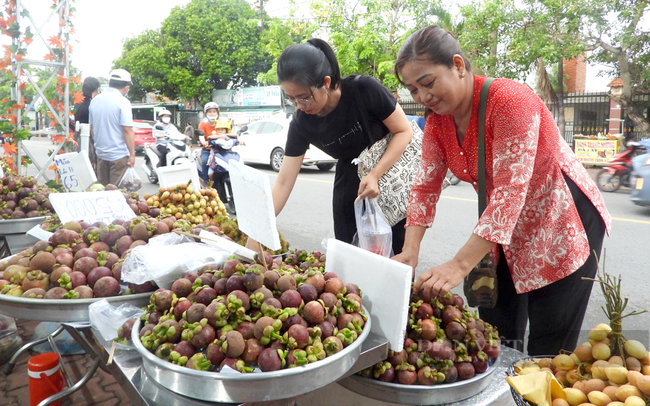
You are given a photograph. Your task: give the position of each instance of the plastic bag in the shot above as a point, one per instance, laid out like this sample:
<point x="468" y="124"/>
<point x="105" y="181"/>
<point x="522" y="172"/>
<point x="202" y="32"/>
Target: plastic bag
<point x="167" y="260"/>
<point x="10" y="341"/>
<point x="130" y="181"/>
<point x="107" y="318"/>
<point x="374" y="234"/>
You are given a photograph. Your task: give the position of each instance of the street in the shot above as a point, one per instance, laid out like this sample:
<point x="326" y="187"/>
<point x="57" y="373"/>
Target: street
<point x="307" y="219"/>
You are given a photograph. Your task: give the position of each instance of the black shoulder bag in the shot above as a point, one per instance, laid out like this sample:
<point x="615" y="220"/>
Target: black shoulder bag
<point x="480" y="286"/>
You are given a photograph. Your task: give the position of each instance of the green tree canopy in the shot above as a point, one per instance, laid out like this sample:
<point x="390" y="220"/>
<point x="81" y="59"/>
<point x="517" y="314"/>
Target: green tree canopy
<point x="205" y="45"/>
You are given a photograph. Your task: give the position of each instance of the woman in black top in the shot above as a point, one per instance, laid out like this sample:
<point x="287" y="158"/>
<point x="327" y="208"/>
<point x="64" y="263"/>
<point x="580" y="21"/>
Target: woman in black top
<point x="90" y="89"/>
<point x="328" y="116"/>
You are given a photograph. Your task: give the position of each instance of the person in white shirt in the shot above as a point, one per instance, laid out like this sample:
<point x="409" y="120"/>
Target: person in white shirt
<point x="161" y="129"/>
<point x="111" y="124"/>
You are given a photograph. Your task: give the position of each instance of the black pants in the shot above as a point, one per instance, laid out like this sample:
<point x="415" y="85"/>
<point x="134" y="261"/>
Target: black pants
<point x="346" y="185"/>
<point x="556" y="311"/>
<point x="162" y="148"/>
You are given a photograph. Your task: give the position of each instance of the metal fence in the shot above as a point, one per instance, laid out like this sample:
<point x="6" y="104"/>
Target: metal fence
<point x="584" y="113"/>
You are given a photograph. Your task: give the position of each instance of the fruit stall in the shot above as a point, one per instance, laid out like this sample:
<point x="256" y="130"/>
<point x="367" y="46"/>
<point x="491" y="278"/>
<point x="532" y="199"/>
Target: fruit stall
<point x="210" y="322"/>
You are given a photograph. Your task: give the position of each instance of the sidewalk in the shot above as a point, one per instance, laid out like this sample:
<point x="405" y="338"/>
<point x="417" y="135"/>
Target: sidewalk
<point x="101" y="389"/>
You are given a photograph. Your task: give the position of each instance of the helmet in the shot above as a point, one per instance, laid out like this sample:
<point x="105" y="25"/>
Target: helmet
<point x="223" y="124"/>
<point x="210" y="105"/>
<point x="164" y="112"/>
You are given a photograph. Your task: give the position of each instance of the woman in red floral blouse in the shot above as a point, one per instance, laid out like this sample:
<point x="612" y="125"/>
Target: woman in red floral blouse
<point x="544" y="218"/>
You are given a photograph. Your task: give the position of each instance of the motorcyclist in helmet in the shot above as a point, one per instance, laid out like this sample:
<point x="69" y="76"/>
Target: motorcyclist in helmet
<point x="161" y="129"/>
<point x="209" y="128"/>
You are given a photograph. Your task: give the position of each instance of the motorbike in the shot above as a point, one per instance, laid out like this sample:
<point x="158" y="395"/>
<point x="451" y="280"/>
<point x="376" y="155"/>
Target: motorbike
<point x="219" y="166"/>
<point x="618" y="171"/>
<point x="179" y="153"/>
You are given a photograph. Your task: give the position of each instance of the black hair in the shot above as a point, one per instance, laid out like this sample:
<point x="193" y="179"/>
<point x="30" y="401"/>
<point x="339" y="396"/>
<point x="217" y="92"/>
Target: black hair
<point x="90" y="85"/>
<point x="430" y="44"/>
<point x="308" y="63"/>
<point x="118" y="84"/>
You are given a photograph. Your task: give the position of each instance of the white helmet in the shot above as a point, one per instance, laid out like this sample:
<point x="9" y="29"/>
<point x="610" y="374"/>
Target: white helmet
<point x="210" y="105"/>
<point x="164" y="112"/>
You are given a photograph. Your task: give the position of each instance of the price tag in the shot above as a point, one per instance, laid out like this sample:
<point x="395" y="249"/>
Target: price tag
<point x="75" y="170"/>
<point x="91" y="206"/>
<point x="255" y="212"/>
<point x="2" y="173"/>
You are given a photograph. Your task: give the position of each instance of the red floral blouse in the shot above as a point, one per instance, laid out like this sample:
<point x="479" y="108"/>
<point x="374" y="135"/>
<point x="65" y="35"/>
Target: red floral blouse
<point x="529" y="206"/>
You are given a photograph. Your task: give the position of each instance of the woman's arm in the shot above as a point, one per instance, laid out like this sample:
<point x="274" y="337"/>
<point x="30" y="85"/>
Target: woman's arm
<point x="411" y="250"/>
<point x="398" y="125"/>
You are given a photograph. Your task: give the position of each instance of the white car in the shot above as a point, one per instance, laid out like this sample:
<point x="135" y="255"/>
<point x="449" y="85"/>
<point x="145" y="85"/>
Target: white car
<point x="264" y="143"/>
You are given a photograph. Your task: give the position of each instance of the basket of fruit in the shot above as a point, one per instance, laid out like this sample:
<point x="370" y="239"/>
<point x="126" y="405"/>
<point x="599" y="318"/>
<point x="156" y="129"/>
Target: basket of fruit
<point x="449" y="355"/>
<point x="608" y="369"/>
<point x="252" y="332"/>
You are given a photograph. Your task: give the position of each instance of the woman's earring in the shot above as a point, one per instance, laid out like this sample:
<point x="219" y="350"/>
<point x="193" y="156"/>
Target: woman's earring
<point x="462" y="75"/>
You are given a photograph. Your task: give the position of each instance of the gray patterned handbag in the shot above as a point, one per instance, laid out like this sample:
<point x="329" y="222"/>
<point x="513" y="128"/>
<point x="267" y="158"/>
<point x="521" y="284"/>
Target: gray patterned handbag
<point x="395" y="184"/>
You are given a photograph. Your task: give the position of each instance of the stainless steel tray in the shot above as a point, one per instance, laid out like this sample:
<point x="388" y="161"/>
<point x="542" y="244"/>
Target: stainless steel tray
<point x="61" y="310"/>
<point x="19" y="226"/>
<point x="251" y="387"/>
<point x="418" y="394"/>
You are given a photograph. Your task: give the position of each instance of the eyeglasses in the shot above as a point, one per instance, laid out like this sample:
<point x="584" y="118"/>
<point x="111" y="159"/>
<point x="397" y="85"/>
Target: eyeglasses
<point x="304" y="102"/>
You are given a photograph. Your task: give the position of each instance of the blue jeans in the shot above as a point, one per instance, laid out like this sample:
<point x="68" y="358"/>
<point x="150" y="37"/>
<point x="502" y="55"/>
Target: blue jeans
<point x="205" y="156"/>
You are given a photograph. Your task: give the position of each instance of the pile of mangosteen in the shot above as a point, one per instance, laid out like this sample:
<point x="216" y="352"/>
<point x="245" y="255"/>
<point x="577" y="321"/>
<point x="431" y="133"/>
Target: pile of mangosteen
<point x="22" y="197"/>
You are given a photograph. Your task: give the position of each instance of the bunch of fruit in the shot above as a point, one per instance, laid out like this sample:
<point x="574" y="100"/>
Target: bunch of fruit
<point x="592" y="374"/>
<point x="183" y="202"/>
<point x="445" y="343"/>
<point x="279" y="315"/>
<point x="79" y="261"/>
<point x="22" y="197"/>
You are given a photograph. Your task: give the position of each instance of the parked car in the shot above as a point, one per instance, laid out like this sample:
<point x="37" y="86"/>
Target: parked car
<point x="264" y="143"/>
<point x="143" y="130"/>
<point x="640" y="177"/>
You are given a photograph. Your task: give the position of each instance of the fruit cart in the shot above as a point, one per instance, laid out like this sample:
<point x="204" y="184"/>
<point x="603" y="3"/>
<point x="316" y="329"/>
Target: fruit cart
<point x="13" y="237"/>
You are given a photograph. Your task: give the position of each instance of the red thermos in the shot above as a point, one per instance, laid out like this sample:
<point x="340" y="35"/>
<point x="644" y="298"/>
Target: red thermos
<point x="45" y="378"/>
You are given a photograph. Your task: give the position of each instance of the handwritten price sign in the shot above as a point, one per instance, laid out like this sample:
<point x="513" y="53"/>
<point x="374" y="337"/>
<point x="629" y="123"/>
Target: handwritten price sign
<point x="91" y="206"/>
<point x="75" y="171"/>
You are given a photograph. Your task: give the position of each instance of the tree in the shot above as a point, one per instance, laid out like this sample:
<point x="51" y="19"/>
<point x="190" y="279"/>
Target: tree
<point x="205" y="45"/>
<point x="615" y="33"/>
<point x="512" y="38"/>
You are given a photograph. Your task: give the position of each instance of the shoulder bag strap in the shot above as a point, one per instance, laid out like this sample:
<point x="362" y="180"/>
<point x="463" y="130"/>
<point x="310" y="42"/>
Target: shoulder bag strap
<point x="482" y="193"/>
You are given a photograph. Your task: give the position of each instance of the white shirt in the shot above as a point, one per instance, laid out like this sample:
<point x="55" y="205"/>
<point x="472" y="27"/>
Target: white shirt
<point x="109" y="111"/>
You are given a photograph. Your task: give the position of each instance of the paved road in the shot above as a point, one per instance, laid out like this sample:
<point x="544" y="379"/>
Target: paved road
<point x="307" y="219"/>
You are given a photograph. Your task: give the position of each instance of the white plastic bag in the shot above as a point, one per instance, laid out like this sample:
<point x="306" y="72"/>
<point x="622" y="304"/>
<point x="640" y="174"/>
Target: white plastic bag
<point x="130" y="181"/>
<point x="106" y="318"/>
<point x="374" y="234"/>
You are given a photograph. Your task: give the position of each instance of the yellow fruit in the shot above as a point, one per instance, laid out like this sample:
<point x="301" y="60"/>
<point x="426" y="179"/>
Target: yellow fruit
<point x="574" y="396"/>
<point x="616" y="374"/>
<point x="561" y="377"/>
<point x="634" y="401"/>
<point x="643" y="383"/>
<point x="616" y="403"/>
<point x="575" y="358"/>
<point x="632" y="364"/>
<point x="625" y="391"/>
<point x="560" y="402"/>
<point x="583" y="352"/>
<point x="601" y="351"/>
<point x="611" y="392"/>
<point x="564" y="362"/>
<point x="598" y="398"/>
<point x="599" y="332"/>
<point x="572" y="376"/>
<point x="615" y="359"/>
<point x="635" y="349"/>
<point x="604" y="341"/>
<point x="645" y="370"/>
<point x="633" y="376"/>
<point x="594" y="385"/>
<point x="580" y="385"/>
<point x="545" y="362"/>
<point x="598" y="369"/>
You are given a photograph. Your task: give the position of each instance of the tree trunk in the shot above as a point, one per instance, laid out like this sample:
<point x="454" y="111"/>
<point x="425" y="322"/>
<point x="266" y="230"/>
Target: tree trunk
<point x="625" y="100"/>
<point x="561" y="124"/>
<point x="492" y="62"/>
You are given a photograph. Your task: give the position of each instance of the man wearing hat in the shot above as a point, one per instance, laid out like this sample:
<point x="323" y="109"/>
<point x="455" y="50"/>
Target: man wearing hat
<point x="111" y="123"/>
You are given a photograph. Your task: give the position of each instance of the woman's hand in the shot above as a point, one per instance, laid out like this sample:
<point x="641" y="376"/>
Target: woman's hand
<point x="408" y="257"/>
<point x="368" y="187"/>
<point x="440" y="279"/>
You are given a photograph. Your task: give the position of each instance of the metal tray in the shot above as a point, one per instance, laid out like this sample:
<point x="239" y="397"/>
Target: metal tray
<point x="251" y="387"/>
<point x="19" y="226"/>
<point x="61" y="310"/>
<point x="419" y="394"/>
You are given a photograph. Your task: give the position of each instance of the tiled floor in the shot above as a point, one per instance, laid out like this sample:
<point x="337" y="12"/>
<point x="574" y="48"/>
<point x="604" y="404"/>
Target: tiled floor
<point x="101" y="390"/>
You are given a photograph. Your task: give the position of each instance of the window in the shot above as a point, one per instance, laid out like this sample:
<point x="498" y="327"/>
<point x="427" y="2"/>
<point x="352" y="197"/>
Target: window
<point x="270" y="127"/>
<point x="255" y="127"/>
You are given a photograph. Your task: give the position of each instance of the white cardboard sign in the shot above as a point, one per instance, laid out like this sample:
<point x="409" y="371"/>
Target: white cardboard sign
<point x="76" y="171"/>
<point x="386" y="287"/>
<point x="91" y="207"/>
<point x="255" y="212"/>
<point x="39" y="233"/>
